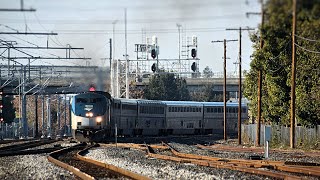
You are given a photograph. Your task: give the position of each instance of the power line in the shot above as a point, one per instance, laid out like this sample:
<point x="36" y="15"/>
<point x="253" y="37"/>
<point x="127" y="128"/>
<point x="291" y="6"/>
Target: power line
<point x="27" y="33"/>
<point x="47" y="30"/>
<point x="132" y="21"/>
<point x="158" y="32"/>
<point x="24" y="40"/>
<point x="312" y="40"/>
<point x="9" y="27"/>
<point x="317" y="52"/>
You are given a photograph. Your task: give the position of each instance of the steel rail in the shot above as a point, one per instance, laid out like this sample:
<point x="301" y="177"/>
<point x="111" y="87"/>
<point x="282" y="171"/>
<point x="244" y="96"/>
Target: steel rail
<point x="83" y="175"/>
<point x="256" y="150"/>
<point x="111" y="167"/>
<point x="276" y="165"/>
<point x="222" y="164"/>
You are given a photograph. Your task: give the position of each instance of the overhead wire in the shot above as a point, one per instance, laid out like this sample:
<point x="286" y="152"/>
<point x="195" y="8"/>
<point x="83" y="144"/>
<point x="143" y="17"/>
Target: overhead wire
<point x="24" y="40"/>
<point x="41" y="54"/>
<point x="312" y="40"/>
<point x="311" y="51"/>
<point x="35" y="14"/>
<point x="134" y="21"/>
<point x="38" y="46"/>
<point x="9" y="27"/>
<point x="274" y="58"/>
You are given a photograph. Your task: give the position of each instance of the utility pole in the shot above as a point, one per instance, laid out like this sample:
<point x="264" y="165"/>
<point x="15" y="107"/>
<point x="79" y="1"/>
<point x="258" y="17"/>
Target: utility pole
<point x="65" y="116"/>
<point x="48" y="117"/>
<point x="24" y="104"/>
<point x="111" y="68"/>
<point x="293" y="77"/>
<point x="42" y="116"/>
<point x="259" y="78"/>
<point x="126" y="55"/>
<point x="58" y="117"/>
<point x="224" y="86"/>
<point x="179" y="29"/>
<point x="36" y="114"/>
<point x="116" y="94"/>
<point x="239" y="108"/>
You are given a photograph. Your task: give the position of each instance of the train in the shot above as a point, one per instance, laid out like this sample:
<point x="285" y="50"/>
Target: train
<point x="98" y="115"/>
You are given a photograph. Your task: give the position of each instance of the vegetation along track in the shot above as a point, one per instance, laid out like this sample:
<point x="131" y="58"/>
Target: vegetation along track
<point x="73" y="160"/>
<point x="21" y="149"/>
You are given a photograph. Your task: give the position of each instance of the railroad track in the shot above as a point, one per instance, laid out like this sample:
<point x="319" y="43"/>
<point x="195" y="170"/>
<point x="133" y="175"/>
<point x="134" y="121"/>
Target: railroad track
<point x="229" y="148"/>
<point x="7" y="141"/>
<point x="274" y="169"/>
<point x="283" y="168"/>
<point x="24" y="148"/>
<point x="73" y="160"/>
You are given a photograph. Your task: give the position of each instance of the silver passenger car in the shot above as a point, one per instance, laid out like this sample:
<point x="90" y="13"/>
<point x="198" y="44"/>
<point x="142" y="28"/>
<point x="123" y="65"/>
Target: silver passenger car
<point x="184" y="117"/>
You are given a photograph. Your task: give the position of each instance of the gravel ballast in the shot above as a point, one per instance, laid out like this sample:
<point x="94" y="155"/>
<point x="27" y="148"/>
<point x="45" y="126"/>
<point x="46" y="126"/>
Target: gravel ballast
<point x="136" y="161"/>
<point x="33" y="166"/>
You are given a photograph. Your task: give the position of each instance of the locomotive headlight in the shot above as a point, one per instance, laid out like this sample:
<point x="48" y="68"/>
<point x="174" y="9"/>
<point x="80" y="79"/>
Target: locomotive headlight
<point x="99" y="119"/>
<point x="89" y="114"/>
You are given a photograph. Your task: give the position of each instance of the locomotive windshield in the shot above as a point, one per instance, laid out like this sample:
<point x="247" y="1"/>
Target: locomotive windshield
<point x="90" y="102"/>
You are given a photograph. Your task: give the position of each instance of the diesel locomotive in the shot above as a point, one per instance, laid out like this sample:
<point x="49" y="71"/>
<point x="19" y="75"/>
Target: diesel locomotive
<point x="97" y="114"/>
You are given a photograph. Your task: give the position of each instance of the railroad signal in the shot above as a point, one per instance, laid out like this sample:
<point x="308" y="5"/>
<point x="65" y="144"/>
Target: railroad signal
<point x="193" y="53"/>
<point x="154" y="67"/>
<point x="92" y="88"/>
<point x="194" y="67"/>
<point x="153" y="53"/>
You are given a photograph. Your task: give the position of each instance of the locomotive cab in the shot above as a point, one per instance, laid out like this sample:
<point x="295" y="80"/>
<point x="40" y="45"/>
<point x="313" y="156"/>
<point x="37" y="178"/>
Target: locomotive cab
<point x="89" y="114"/>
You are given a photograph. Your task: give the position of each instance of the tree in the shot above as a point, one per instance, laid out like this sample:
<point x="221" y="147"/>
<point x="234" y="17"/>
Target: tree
<point x="167" y="87"/>
<point x="8" y="109"/>
<point x="207" y="95"/>
<point x="274" y="59"/>
<point x="207" y="72"/>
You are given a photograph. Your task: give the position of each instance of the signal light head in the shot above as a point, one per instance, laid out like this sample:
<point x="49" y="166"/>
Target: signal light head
<point x="153" y="53"/>
<point x="193" y="53"/>
<point x="153" y="67"/>
<point x="194" y="67"/>
<point x="92" y="88"/>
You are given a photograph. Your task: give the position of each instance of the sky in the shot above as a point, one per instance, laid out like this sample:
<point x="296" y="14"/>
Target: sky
<point x="89" y="24"/>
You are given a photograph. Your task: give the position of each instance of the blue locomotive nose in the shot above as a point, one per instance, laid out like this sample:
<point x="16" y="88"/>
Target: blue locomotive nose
<point x="89" y="113"/>
<point x="89" y="105"/>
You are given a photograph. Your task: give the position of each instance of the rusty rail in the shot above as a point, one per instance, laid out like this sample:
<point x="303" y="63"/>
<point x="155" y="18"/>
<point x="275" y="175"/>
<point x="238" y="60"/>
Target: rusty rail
<point x="276" y="165"/>
<point x="220" y="147"/>
<point x="82" y="175"/>
<point x="111" y="167"/>
<point x="220" y="164"/>
<point x="234" y="164"/>
<point x="72" y="169"/>
<point x="135" y="146"/>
